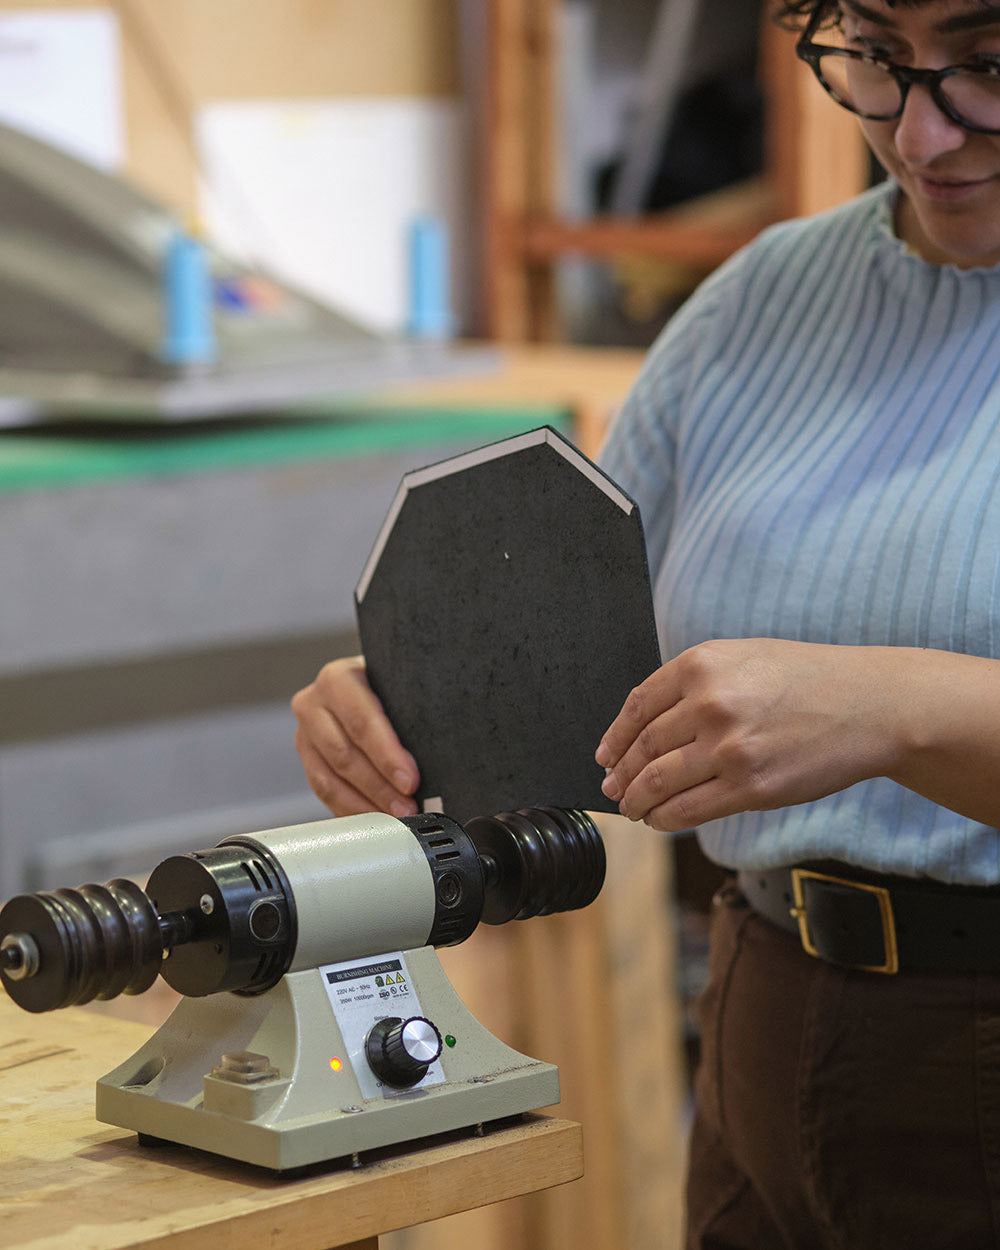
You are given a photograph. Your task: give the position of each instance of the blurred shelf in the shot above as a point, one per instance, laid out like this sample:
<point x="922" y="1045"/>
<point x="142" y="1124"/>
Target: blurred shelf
<point x="609" y="238"/>
<point x="814" y="158"/>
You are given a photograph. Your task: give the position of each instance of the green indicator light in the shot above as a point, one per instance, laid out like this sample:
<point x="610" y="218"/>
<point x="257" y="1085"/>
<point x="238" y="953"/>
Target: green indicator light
<point x="449" y="1040"/>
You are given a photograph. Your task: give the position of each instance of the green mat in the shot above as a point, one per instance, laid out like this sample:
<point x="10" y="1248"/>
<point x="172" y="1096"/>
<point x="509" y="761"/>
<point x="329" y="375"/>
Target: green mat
<point x="33" y="458"/>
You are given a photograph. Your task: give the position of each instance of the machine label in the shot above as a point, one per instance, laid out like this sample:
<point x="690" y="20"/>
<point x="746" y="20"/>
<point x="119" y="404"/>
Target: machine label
<point x="362" y="992"/>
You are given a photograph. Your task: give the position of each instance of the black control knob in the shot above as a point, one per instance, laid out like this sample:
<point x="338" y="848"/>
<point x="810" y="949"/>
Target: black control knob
<point x="400" y="1051"/>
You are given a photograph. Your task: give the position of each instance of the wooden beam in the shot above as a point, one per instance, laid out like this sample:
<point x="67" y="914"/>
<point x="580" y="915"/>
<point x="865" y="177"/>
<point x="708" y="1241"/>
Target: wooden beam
<point x="609" y="237"/>
<point x="815" y="152"/>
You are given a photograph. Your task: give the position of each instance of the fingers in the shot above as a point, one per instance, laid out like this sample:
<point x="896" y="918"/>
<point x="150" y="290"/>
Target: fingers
<point x="690" y="808"/>
<point x="656" y="695"/>
<point x="661" y="782"/>
<point x="352" y="757"/>
<point x="738" y="725"/>
<point x="650" y="746"/>
<point x="343" y="777"/>
<point x="363" y="724"/>
<point x="661" y="751"/>
<point x="339" y="795"/>
<point x="684" y="787"/>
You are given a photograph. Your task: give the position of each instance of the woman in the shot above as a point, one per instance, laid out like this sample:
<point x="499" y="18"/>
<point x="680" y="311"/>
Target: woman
<point x="814" y="443"/>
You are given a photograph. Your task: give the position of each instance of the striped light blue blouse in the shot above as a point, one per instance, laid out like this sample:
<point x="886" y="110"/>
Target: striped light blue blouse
<point x="814" y="445"/>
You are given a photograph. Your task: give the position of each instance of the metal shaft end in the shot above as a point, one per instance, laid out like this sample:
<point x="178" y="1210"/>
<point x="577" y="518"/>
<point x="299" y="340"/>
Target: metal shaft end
<point x="18" y="956"/>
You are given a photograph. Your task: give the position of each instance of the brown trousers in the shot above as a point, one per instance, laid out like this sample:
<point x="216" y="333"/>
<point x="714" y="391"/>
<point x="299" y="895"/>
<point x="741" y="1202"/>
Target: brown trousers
<point x="841" y="1110"/>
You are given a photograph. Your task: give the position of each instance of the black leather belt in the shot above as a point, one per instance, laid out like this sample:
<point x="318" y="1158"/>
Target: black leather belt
<point x="880" y="924"/>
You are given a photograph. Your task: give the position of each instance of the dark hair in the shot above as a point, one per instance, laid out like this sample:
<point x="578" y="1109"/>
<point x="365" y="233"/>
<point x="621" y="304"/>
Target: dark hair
<point x="796" y="14"/>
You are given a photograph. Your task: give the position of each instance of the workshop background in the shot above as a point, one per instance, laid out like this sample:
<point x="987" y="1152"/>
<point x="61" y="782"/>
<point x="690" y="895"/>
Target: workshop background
<point x="526" y="187"/>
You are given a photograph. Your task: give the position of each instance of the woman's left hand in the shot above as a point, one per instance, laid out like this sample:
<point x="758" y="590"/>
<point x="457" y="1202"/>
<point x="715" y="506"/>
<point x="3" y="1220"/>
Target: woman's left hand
<point x="750" y="724"/>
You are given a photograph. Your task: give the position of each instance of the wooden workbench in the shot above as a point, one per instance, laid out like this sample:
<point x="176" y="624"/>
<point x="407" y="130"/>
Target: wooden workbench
<point x="67" y="1181"/>
<point x="588" y="384"/>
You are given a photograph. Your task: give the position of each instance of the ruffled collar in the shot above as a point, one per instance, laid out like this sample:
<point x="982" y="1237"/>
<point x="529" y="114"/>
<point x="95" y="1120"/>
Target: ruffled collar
<point x="886" y="197"/>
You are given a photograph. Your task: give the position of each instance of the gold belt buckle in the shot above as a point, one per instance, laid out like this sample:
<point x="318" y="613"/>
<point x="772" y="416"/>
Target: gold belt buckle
<point x="891" y="964"/>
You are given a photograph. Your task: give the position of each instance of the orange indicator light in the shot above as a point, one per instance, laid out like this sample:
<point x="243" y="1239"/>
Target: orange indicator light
<point x="336" y="1064"/>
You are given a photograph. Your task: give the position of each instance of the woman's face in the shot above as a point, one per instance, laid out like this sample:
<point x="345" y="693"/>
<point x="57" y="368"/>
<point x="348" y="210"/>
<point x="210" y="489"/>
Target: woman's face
<point x="950" y="176"/>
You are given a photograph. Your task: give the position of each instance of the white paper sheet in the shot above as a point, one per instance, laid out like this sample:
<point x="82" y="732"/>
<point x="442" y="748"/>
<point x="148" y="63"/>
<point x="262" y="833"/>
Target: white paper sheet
<point x="323" y="193"/>
<point x="60" y="80"/>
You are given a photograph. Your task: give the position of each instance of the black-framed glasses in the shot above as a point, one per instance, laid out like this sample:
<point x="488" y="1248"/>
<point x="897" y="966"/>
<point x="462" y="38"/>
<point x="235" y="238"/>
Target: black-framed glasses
<point x="877" y="89"/>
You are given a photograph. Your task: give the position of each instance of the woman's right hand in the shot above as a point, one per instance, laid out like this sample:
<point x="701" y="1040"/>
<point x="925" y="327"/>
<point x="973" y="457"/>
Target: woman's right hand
<point x="352" y="757"/>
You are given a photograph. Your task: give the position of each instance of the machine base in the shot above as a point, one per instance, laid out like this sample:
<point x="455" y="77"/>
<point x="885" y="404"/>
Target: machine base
<point x="316" y="1099"/>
